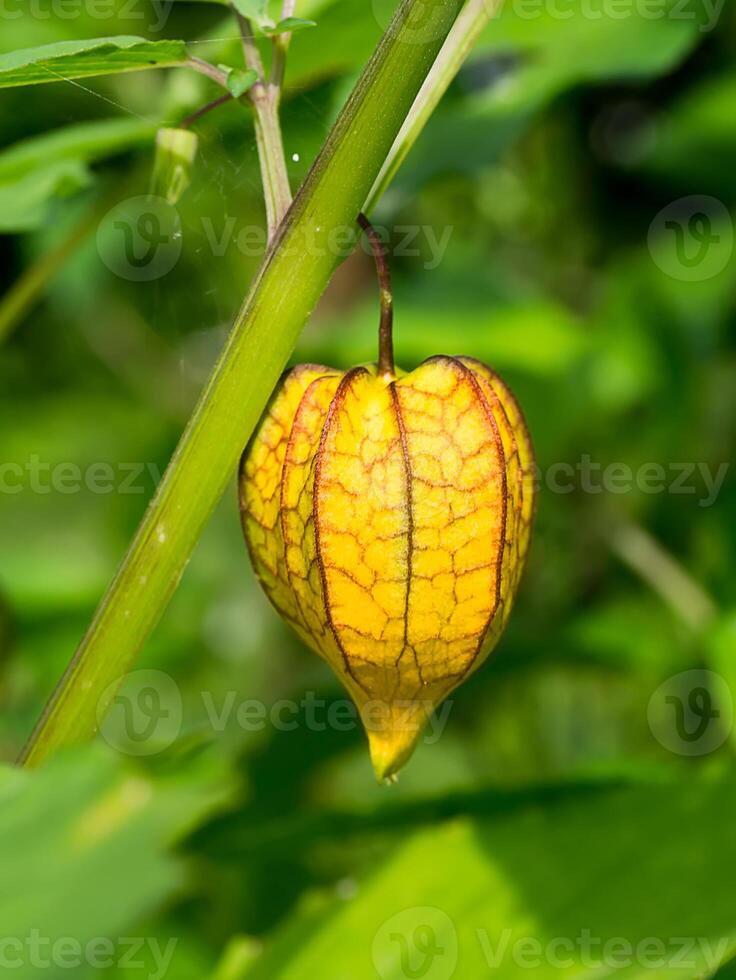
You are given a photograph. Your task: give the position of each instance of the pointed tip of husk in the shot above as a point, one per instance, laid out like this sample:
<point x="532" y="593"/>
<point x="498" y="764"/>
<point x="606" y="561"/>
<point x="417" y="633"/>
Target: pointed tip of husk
<point x="392" y="744"/>
<point x="387" y="757"/>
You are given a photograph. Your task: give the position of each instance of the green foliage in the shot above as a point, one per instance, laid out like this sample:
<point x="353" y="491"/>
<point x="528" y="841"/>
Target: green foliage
<point x="87" y="141"/>
<point x="289" y="25"/>
<point x="240" y="80"/>
<point x="24" y="202"/>
<point x="257" y="9"/>
<point x="82" y="59"/>
<point x="85" y="849"/>
<point x="509" y="893"/>
<point x="35" y="173"/>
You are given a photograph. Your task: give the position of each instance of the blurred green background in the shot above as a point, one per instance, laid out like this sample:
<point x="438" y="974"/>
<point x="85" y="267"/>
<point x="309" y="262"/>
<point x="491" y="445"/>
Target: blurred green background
<point x="572" y="205"/>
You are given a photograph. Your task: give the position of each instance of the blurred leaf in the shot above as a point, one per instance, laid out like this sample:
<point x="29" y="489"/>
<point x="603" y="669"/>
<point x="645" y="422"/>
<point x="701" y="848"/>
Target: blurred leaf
<point x="84" y="845"/>
<point x="81" y="59"/>
<point x="24" y="203"/>
<point x="86" y="142"/>
<point x="589" y="43"/>
<point x="251" y="8"/>
<point x="477" y="893"/>
<point x="35" y="172"/>
<point x="256" y="11"/>
<point x="527" y="58"/>
<point x="695" y="139"/>
<point x="290" y="25"/>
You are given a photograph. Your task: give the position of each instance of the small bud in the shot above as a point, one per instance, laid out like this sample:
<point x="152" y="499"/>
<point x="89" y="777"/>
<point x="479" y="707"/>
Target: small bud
<point x="176" y="150"/>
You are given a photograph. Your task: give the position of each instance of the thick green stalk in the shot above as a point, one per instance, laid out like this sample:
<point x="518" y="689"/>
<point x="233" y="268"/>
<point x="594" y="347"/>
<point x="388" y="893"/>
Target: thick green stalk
<point x="294" y="274"/>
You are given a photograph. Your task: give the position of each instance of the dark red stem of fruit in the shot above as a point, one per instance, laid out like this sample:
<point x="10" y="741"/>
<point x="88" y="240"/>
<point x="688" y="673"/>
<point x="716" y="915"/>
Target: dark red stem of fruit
<point x="385" y="330"/>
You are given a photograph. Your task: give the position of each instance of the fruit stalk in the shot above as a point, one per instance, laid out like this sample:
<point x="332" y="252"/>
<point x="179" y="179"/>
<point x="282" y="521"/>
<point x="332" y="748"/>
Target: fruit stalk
<point x="386" y="367"/>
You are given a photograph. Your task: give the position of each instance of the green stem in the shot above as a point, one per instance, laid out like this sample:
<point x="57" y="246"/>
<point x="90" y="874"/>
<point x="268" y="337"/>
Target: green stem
<point x="276" y="188"/>
<point x="470" y="24"/>
<point x="209" y="71"/>
<point x="286" y="289"/>
<point x="265" y="97"/>
<point x="280" y="47"/>
<point x="646" y="556"/>
<point x="189" y="120"/>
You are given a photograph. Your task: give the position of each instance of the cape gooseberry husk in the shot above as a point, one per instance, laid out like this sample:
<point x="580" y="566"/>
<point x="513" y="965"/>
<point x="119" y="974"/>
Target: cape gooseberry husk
<point x="388" y="517"/>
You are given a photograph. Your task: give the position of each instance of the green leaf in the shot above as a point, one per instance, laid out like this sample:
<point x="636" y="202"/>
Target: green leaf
<point x="84" y="845"/>
<point x="551" y="890"/>
<point x="530" y="59"/>
<point x="290" y="25"/>
<point x="86" y="142"/>
<point x="697" y="147"/>
<point x="35" y="172"/>
<point x="24" y="203"/>
<point x="240" y="80"/>
<point x="256" y="10"/>
<point x="80" y="59"/>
